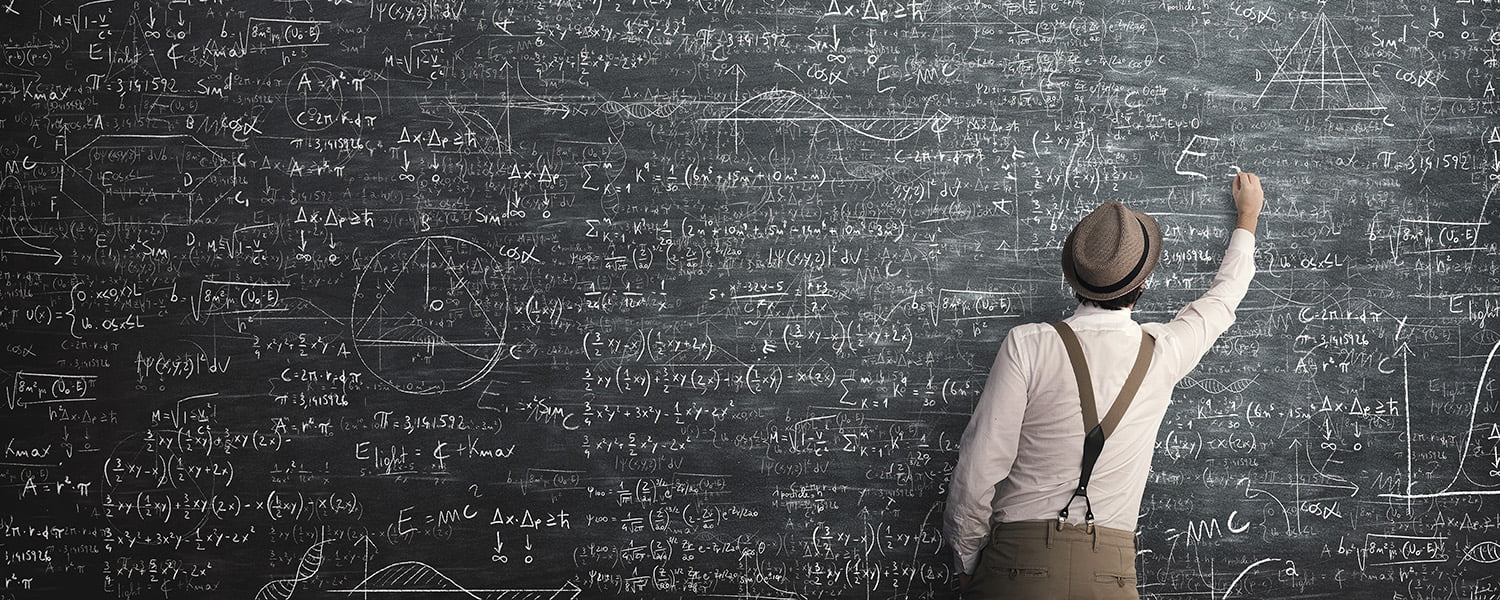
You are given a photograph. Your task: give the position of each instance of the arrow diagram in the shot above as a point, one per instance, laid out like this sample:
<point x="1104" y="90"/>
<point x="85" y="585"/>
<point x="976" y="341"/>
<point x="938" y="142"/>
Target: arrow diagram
<point x="367" y="546"/>
<point x="50" y="253"/>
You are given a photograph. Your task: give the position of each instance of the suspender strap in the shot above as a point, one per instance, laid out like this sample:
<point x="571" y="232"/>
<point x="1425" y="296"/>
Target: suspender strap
<point x="1096" y="432"/>
<point x="1080" y="373"/>
<point x="1132" y="384"/>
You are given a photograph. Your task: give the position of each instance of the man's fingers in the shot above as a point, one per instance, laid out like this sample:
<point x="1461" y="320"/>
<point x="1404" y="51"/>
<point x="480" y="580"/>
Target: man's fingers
<point x="1246" y="180"/>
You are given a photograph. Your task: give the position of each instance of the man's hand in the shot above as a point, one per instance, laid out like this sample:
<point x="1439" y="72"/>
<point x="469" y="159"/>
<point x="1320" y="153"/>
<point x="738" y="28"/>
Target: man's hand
<point x="1248" y="199"/>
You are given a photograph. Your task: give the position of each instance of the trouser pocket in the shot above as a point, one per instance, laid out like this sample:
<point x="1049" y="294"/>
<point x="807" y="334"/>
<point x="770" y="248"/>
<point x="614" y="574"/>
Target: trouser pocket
<point x="1027" y="573"/>
<point x="1120" y="579"/>
<point x="1013" y="569"/>
<point x="1013" y="583"/>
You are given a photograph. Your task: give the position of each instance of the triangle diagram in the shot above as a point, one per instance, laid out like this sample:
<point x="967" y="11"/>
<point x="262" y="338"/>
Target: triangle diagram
<point x="1319" y="73"/>
<point x="419" y="323"/>
<point x="486" y="328"/>
<point x="428" y="287"/>
<point x="387" y="289"/>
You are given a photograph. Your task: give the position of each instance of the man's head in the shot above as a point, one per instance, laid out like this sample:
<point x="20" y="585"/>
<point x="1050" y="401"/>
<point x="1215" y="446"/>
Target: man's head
<point x="1109" y="254"/>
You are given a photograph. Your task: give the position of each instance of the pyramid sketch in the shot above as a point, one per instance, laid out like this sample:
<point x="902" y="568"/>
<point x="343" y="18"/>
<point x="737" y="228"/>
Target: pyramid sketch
<point x="1319" y="73"/>
<point x="418" y="324"/>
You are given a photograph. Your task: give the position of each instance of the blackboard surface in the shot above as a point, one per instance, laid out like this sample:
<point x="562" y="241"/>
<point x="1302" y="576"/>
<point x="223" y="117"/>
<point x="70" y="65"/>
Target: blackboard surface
<point x="692" y="298"/>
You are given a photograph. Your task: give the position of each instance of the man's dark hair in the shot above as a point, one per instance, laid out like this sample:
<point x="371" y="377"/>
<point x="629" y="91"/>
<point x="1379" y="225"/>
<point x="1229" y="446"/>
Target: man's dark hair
<point x="1115" y="303"/>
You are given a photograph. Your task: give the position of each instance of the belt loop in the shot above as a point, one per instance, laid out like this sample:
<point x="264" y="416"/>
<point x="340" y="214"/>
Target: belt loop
<point x="1094" y="533"/>
<point x="1049" y="537"/>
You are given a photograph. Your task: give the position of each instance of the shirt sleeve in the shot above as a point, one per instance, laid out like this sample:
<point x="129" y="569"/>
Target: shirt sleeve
<point x="985" y="455"/>
<point x="1192" y="332"/>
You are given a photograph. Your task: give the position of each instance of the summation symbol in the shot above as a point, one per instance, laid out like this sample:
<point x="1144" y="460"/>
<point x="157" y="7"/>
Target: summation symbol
<point x="1319" y="73"/>
<point x="427" y="315"/>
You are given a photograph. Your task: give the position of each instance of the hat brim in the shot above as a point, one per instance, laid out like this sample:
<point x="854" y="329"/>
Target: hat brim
<point x="1153" y="256"/>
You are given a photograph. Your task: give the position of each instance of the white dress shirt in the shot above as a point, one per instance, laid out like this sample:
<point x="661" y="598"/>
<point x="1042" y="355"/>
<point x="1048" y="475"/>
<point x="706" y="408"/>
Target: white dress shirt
<point x="1019" y="457"/>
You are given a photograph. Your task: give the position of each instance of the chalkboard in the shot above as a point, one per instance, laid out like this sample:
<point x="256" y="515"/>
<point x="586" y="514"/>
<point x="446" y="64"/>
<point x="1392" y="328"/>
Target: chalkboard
<point x="693" y="298"/>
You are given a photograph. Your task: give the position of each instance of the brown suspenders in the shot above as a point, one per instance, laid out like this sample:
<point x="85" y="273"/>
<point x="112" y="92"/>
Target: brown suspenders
<point x="1095" y="432"/>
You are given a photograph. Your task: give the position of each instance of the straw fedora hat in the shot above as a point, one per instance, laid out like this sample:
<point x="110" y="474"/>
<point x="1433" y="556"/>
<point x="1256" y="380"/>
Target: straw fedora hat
<point x="1111" y="251"/>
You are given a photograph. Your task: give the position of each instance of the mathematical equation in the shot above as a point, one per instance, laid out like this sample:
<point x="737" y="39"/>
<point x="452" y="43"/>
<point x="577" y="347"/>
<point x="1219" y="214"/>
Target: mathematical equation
<point x="667" y="298"/>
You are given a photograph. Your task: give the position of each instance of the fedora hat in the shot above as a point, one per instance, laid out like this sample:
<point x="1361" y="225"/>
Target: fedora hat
<point x="1111" y="251"/>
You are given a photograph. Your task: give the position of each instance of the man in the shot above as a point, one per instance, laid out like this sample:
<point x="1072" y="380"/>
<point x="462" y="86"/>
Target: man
<point x="1022" y="460"/>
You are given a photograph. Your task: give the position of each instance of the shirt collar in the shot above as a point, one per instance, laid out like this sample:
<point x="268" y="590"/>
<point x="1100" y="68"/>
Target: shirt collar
<point x="1096" y="314"/>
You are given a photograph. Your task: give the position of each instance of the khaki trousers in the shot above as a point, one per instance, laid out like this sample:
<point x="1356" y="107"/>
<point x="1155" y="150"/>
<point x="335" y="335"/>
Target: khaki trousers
<point x="1034" y="560"/>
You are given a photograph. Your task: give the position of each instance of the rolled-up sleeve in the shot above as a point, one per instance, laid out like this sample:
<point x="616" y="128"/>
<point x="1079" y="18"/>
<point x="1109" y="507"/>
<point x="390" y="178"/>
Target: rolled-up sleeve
<point x="1190" y="334"/>
<point x="986" y="453"/>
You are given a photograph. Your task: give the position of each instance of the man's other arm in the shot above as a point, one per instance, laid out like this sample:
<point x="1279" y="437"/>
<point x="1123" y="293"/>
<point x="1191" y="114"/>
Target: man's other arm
<point x="985" y="455"/>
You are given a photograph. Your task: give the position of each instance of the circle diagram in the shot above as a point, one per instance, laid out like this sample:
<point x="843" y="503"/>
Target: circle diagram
<point x="429" y="314"/>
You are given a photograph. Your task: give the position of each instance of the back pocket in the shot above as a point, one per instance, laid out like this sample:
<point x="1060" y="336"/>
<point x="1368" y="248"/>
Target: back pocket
<point x="1026" y="572"/>
<point x="1120" y="579"/>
